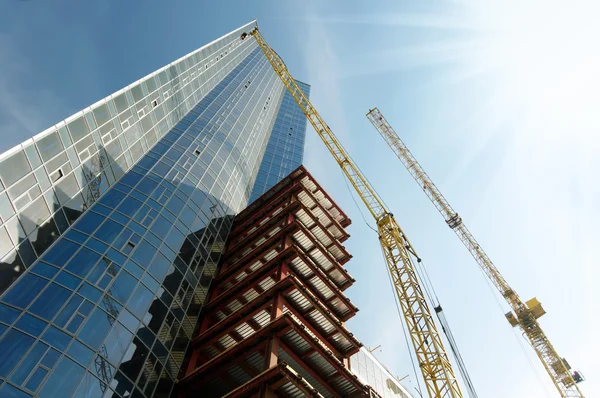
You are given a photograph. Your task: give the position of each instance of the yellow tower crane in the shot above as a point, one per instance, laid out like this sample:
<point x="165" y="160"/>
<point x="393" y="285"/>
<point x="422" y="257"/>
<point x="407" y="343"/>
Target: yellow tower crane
<point x="524" y="315"/>
<point x="398" y="252"/>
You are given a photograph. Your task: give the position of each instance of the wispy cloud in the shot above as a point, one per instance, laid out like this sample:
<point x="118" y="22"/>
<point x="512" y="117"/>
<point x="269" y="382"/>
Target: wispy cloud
<point x="24" y="110"/>
<point x="520" y="100"/>
<point x="323" y="69"/>
<point x="406" y="19"/>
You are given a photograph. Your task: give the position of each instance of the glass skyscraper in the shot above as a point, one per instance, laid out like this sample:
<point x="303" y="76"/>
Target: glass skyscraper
<point x="285" y="149"/>
<point x="112" y="222"/>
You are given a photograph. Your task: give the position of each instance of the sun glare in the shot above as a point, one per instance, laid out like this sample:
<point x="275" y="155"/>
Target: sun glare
<point x="546" y="60"/>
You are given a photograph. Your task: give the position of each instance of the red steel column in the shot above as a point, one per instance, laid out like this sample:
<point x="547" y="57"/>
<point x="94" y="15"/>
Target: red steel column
<point x="272" y="350"/>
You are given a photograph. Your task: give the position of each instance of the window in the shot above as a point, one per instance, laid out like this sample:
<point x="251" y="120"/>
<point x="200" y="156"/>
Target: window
<point x="50" y="301"/>
<point x="90" y="292"/>
<point x="49" y="146"/>
<point x="140" y="301"/>
<point x="13" y="346"/>
<point x="29" y="363"/>
<point x="34" y="381"/>
<point x="56" y="338"/>
<point x="78" y="128"/>
<point x="68" y="280"/>
<point x="50" y="358"/>
<point x="112" y="198"/>
<point x="9" y="391"/>
<point x="31" y="325"/>
<point x="68" y="311"/>
<point x="13" y="168"/>
<point x="123" y="286"/>
<point x="63" y="380"/>
<point x="129" y="206"/>
<point x="96" y="328"/>
<point x="108" y="231"/>
<point x="132" y="367"/>
<point x="81" y="353"/>
<point x="101" y="114"/>
<point x="24" y="291"/>
<point x="128" y="248"/>
<point x="6" y="210"/>
<point x="89" y="222"/>
<point x="34" y="215"/>
<point x="154" y="103"/>
<point x="116" y="343"/>
<point x="125" y="124"/>
<point x="7" y="314"/>
<point x="159" y="267"/>
<point x="82" y="262"/>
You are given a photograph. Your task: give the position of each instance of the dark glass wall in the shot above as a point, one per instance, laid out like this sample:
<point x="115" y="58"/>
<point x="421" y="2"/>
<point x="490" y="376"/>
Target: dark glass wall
<point x="285" y="150"/>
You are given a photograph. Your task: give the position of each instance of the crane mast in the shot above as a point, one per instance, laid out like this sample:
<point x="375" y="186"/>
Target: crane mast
<point x="398" y="252"/>
<point x="524" y="315"/>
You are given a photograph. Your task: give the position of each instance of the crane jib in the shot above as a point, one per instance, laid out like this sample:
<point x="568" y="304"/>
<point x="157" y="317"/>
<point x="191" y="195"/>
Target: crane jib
<point x="434" y="364"/>
<point x="524" y="315"/>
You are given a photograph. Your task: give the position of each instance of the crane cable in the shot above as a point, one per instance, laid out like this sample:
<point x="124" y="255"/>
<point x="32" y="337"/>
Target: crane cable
<point x="433" y="299"/>
<point x="537" y="374"/>
<point x="357" y="206"/>
<point x="408" y="345"/>
<point x="517" y="337"/>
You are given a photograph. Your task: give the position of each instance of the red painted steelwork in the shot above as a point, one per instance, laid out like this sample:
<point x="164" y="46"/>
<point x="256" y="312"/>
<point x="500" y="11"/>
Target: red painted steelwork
<point x="279" y="292"/>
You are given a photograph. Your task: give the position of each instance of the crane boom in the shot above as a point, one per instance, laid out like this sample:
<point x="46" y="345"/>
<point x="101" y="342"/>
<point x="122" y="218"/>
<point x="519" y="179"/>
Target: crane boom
<point x="523" y="314"/>
<point x="398" y="252"/>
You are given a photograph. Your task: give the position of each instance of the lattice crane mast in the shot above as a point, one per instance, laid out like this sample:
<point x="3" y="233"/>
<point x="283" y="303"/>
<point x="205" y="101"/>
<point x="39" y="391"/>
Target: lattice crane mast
<point x="523" y="315"/>
<point x="398" y="252"/>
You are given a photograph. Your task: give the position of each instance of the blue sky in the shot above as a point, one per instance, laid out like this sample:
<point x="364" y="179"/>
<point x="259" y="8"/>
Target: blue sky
<point x="498" y="103"/>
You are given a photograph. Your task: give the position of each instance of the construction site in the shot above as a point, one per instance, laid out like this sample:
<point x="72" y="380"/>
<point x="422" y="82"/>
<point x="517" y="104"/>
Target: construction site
<point x="171" y="240"/>
<point x="278" y="345"/>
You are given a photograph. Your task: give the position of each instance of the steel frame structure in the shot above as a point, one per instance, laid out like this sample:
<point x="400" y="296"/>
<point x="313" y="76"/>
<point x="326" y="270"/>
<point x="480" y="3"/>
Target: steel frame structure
<point x="278" y="299"/>
<point x="433" y="360"/>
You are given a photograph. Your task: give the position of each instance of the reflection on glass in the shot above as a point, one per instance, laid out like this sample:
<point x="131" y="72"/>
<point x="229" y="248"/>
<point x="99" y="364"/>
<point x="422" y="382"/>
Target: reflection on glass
<point x="13" y="168"/>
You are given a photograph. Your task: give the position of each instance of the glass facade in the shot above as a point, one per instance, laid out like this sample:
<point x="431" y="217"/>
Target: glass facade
<point x="369" y="370"/>
<point x="285" y="150"/>
<point x="113" y="221"/>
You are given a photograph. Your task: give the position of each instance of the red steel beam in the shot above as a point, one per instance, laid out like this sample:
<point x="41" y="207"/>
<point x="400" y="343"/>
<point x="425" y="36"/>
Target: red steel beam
<point x="274" y="377"/>
<point x="286" y="285"/>
<point x="334" y="362"/>
<point x="275" y="221"/>
<point x="337" y="292"/>
<point x="333" y="203"/>
<point x="281" y="324"/>
<point x="331" y="237"/>
<point x="278" y="327"/>
<point x="258" y="250"/>
<point x="246" y="219"/>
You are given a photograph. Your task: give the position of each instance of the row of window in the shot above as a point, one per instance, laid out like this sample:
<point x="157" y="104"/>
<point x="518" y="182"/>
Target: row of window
<point x="284" y="151"/>
<point x="95" y="267"/>
<point x="69" y="185"/>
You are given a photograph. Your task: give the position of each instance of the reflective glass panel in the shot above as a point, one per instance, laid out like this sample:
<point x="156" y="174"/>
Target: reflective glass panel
<point x="13" y="346"/>
<point x="13" y="168"/>
<point x="63" y="379"/>
<point x="25" y="290"/>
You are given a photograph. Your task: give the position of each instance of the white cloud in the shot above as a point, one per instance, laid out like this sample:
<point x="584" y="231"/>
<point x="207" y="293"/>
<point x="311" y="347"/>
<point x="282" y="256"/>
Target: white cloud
<point x="519" y="90"/>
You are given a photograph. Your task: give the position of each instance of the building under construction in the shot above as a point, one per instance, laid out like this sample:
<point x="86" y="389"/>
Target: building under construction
<point x="273" y="324"/>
